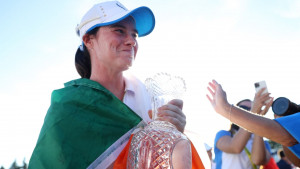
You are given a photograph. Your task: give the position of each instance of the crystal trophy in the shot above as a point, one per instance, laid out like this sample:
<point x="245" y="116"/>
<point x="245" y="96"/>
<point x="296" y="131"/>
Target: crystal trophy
<point x="160" y="145"/>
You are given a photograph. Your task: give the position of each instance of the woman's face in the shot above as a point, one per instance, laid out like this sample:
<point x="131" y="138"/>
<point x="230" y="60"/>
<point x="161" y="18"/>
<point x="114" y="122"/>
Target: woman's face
<point x="115" y="45"/>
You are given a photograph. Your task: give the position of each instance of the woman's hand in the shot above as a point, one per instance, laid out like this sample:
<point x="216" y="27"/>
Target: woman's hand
<point x="261" y="100"/>
<point x="172" y="112"/>
<point x="218" y="98"/>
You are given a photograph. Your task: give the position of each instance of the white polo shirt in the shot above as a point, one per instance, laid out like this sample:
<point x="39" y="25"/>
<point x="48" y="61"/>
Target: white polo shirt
<point x="136" y="97"/>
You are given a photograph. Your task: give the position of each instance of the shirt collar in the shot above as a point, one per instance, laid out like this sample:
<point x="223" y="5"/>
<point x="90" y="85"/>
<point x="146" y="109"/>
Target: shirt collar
<point x="129" y="85"/>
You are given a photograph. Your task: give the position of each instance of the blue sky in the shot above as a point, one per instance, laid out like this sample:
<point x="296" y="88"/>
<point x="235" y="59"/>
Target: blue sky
<point x="235" y="42"/>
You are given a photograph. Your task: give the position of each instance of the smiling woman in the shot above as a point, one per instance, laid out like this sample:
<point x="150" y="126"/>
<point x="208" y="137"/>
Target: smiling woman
<point x="90" y="119"/>
<point x="90" y="114"/>
<point x="112" y="49"/>
<point x="115" y="35"/>
<point x="251" y="40"/>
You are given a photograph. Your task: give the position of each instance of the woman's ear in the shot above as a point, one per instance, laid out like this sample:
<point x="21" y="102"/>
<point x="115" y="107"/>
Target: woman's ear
<point x="87" y="40"/>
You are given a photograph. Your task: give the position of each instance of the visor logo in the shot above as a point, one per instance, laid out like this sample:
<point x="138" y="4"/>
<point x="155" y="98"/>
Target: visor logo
<point x="121" y="6"/>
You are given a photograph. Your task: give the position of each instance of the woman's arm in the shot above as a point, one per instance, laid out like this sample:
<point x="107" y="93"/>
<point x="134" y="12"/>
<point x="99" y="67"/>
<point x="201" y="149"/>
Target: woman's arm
<point x="291" y="156"/>
<point x="260" y="105"/>
<point x="259" y="154"/>
<point x="261" y="126"/>
<point x="235" y="144"/>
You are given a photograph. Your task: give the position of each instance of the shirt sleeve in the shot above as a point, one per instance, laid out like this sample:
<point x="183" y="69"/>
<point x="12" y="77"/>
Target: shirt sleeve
<point x="291" y="124"/>
<point x="268" y="147"/>
<point x="219" y="135"/>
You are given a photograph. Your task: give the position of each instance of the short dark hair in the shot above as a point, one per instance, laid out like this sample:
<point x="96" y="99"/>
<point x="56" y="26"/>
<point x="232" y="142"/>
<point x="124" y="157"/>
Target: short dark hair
<point x="281" y="153"/>
<point x="83" y="58"/>
<point x="233" y="128"/>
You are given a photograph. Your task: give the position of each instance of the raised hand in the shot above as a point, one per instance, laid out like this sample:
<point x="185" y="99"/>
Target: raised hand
<point x="262" y="102"/>
<point x="218" y="98"/>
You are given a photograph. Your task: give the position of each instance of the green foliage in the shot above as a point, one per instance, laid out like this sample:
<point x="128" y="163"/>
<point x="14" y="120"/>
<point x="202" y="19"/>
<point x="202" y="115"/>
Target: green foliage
<point x="274" y="145"/>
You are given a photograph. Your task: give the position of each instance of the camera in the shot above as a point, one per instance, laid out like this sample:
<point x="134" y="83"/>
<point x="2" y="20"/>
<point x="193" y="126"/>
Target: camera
<point x="283" y="107"/>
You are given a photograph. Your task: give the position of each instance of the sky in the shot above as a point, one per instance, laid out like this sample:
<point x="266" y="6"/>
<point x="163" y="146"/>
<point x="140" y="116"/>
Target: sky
<point x="234" y="42"/>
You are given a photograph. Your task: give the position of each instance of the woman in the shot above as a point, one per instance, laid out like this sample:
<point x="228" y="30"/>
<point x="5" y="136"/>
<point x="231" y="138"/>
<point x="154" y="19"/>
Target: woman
<point x="238" y="148"/>
<point x="283" y="130"/>
<point x="90" y="120"/>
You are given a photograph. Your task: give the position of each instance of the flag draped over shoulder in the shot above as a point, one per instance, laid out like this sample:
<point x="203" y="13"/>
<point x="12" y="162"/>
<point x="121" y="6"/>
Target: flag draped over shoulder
<point x="84" y="119"/>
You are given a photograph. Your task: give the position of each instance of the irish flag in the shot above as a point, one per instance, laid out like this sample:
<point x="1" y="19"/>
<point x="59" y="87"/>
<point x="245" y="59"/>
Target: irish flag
<point x="83" y="121"/>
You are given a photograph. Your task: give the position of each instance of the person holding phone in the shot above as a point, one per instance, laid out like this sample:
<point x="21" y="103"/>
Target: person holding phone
<point x="283" y="130"/>
<point x="238" y="148"/>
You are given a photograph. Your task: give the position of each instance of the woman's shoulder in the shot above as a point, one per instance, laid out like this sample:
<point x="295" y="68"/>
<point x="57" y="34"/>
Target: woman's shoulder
<point x="69" y="86"/>
<point x="81" y="83"/>
<point x="222" y="133"/>
<point x="78" y="88"/>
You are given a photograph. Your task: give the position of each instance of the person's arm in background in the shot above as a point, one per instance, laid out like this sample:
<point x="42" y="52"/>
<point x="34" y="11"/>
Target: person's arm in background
<point x="288" y="153"/>
<point x="260" y="105"/>
<point x="261" y="126"/>
<point x="291" y="156"/>
<point x="259" y="154"/>
<point x="235" y="144"/>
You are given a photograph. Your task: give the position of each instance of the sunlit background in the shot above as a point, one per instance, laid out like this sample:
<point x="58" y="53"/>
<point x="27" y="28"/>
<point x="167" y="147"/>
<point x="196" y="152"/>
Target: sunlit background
<point x="235" y="42"/>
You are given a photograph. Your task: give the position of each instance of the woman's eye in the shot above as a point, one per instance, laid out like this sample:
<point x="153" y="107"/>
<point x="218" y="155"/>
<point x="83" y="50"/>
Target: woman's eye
<point x="119" y="30"/>
<point x="135" y="35"/>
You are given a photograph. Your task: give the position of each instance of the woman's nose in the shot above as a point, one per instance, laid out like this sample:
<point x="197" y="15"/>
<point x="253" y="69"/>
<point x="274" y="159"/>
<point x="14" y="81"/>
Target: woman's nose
<point x="130" y="40"/>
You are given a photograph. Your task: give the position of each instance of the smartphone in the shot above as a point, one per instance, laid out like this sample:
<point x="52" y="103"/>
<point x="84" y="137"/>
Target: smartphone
<point x="260" y="85"/>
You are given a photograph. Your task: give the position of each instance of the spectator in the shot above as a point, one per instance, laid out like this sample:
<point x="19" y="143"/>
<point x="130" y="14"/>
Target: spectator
<point x="283" y="130"/>
<point x="209" y="153"/>
<point x="238" y="148"/>
<point x="283" y="163"/>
